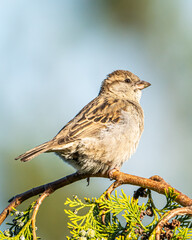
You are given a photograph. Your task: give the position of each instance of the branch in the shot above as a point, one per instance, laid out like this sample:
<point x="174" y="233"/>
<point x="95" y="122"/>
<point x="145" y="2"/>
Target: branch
<point x="157" y="185"/>
<point x="49" y="188"/>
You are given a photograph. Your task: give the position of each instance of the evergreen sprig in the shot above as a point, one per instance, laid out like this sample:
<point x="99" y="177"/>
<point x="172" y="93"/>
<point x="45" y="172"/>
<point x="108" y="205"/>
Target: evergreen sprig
<point x="20" y="227"/>
<point x="124" y="218"/>
<point x="118" y="217"/>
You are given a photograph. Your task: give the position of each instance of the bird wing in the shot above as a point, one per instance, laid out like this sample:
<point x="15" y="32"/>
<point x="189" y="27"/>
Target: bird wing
<point x="94" y="117"/>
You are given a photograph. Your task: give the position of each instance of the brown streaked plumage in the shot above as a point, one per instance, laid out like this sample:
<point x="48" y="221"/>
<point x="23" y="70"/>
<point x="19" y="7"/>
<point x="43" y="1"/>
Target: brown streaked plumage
<point x="105" y="132"/>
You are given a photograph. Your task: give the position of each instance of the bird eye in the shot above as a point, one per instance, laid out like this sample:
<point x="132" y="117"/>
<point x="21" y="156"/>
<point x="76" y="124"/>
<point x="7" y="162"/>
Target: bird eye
<point x="127" y="80"/>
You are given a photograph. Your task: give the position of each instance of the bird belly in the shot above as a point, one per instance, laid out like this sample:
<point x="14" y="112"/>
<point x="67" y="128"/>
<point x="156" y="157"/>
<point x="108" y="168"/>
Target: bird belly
<point x="114" y="146"/>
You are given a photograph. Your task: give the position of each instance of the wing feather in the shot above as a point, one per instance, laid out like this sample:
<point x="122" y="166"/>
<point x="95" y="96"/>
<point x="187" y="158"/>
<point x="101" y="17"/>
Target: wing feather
<point x="94" y="117"/>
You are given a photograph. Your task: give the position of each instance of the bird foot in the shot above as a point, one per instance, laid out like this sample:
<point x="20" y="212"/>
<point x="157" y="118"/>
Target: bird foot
<point x="111" y="171"/>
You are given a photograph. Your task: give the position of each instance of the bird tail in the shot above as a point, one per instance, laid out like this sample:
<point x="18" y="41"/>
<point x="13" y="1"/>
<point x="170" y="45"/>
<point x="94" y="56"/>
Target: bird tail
<point x="34" y="152"/>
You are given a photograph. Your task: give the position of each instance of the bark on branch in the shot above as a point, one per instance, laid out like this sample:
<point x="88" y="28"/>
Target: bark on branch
<point x="155" y="183"/>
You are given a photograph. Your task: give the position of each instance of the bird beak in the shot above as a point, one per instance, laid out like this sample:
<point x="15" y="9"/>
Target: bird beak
<point x="142" y="84"/>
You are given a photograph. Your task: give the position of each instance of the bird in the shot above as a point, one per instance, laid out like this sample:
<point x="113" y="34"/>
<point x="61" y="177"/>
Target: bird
<point x="106" y="132"/>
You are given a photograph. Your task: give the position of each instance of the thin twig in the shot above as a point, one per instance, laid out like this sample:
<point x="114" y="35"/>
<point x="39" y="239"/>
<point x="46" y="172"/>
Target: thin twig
<point x="36" y="208"/>
<point x="171" y="214"/>
<point x="106" y="194"/>
<point x="111" y="188"/>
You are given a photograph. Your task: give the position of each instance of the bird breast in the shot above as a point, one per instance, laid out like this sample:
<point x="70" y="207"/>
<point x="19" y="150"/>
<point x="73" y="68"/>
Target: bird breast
<point x="117" y="142"/>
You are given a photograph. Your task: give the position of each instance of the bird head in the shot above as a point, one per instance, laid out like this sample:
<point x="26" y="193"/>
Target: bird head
<point x="123" y="84"/>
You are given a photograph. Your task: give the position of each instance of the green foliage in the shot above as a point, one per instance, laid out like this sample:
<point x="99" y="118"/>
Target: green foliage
<point x="121" y="217"/>
<point x="20" y="227"/>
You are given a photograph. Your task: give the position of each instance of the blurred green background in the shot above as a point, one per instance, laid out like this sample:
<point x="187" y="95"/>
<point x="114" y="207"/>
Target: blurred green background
<point x="53" y="57"/>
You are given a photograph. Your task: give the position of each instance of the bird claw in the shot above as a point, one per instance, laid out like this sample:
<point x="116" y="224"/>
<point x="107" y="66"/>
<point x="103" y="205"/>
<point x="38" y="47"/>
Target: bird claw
<point x="88" y="181"/>
<point x="111" y="171"/>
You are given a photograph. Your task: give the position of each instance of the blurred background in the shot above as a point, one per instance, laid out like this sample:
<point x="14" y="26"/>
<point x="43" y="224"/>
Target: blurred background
<point x="53" y="57"/>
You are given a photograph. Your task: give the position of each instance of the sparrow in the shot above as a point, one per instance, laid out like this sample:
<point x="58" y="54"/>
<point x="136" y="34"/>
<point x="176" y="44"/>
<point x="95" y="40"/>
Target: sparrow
<point x="106" y="132"/>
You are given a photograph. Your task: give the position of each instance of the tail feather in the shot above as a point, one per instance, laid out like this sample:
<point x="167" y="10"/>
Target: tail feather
<point x="34" y="152"/>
